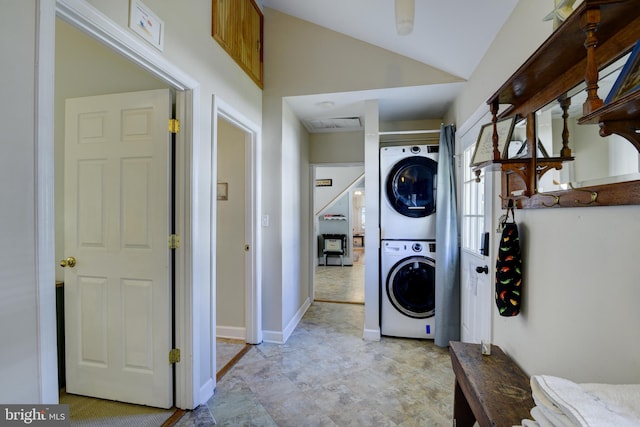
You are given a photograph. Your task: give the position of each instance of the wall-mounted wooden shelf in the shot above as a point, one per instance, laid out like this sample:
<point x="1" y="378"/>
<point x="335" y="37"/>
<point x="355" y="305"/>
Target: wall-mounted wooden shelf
<point x="621" y="117"/>
<point x="596" y="34"/>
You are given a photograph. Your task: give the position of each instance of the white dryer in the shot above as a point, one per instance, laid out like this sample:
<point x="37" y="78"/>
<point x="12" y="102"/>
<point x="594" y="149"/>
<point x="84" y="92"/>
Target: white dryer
<point x="407" y="288"/>
<point x="408" y="192"/>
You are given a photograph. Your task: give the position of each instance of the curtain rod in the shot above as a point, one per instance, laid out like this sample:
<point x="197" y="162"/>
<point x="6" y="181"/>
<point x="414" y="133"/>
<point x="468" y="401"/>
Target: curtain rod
<point x="409" y="132"/>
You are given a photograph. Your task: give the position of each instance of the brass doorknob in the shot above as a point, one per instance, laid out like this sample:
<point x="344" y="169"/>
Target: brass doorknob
<point x="69" y="262"/>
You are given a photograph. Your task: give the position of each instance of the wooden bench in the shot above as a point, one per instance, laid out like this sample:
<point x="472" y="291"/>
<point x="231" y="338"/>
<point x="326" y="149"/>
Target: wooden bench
<point x="491" y="389"/>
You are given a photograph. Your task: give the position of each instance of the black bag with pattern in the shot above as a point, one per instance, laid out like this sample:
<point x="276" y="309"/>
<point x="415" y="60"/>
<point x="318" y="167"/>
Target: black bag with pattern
<point x="509" y="270"/>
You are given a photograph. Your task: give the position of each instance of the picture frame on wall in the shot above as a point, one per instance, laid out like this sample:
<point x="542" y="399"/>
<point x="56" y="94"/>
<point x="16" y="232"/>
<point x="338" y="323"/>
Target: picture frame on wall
<point x="324" y="182"/>
<point x="628" y="80"/>
<point x="484" y="146"/>
<point x="146" y="24"/>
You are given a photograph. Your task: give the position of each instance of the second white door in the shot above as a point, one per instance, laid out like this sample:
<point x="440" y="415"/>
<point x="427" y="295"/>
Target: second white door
<point x="118" y="294"/>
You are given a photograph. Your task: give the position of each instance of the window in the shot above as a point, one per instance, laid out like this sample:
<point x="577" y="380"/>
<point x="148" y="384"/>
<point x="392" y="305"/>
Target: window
<point x="472" y="205"/>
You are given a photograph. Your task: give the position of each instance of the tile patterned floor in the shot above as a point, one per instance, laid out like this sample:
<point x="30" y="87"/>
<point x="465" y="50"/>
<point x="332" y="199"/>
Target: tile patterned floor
<point x="226" y="349"/>
<point x="342" y="284"/>
<point x="327" y="375"/>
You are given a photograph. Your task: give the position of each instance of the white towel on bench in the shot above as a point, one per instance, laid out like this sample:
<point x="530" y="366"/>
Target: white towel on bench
<point x="563" y="403"/>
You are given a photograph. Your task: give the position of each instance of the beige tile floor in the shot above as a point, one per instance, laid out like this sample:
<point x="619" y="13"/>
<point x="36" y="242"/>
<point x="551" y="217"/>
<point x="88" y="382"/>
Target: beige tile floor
<point x="341" y="284"/>
<point x="226" y="349"/>
<point x="327" y="375"/>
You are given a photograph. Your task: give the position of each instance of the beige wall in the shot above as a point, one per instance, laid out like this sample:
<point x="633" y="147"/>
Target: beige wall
<point x="302" y="58"/>
<point x="337" y="147"/>
<point x="296" y="221"/>
<point x="20" y="364"/>
<point x="230" y="258"/>
<point x="579" y="317"/>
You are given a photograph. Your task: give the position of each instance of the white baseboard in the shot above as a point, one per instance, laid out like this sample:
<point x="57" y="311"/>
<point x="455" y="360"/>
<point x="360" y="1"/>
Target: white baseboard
<point x="232" y="332"/>
<point x="273" y="337"/>
<point x="277" y="337"/>
<point x="371" y="335"/>
<point x="288" y="330"/>
<point x="206" y="392"/>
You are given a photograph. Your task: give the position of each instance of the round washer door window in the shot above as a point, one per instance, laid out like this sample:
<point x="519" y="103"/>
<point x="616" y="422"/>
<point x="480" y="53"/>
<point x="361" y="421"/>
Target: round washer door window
<point x="411" y="286"/>
<point x="411" y="186"/>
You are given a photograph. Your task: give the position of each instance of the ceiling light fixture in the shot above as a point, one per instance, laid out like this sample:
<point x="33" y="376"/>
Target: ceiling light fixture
<point x="325" y="104"/>
<point x="405" y="11"/>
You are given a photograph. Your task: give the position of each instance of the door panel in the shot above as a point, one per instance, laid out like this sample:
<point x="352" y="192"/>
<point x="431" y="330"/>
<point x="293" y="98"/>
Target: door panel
<point x="118" y="295"/>
<point x="90" y="221"/>
<point x="476" y="287"/>
<point x="137" y="330"/>
<point x="92" y="322"/>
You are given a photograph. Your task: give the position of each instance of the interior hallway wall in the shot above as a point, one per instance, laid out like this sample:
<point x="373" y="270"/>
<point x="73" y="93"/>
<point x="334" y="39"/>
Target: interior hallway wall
<point x="296" y="220"/>
<point x="579" y="317"/>
<point x="21" y="329"/>
<point x="337" y="147"/>
<point x="292" y="68"/>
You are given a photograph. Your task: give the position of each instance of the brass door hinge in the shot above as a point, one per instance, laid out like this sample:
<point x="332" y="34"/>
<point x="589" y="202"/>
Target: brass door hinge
<point x="174" y="125"/>
<point x="174" y="241"/>
<point x="174" y="355"/>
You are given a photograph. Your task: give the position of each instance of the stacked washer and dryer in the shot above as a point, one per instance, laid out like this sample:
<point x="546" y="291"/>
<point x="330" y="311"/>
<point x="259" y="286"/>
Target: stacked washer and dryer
<point x="408" y="233"/>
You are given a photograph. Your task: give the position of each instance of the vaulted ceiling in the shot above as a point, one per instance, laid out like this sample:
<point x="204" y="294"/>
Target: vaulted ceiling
<point x="451" y="35"/>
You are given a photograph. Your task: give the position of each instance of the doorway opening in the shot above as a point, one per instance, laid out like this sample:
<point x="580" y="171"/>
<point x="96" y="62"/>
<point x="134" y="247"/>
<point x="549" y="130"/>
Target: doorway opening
<point x="235" y="230"/>
<point x="233" y="243"/>
<point x="135" y="160"/>
<point x="339" y="224"/>
<point x="140" y="72"/>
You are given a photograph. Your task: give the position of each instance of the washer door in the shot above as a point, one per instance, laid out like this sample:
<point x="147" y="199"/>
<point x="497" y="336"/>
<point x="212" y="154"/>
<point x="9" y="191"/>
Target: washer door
<point x="411" y="186"/>
<point x="411" y="287"/>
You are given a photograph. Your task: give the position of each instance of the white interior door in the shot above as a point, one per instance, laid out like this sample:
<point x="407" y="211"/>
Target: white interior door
<point x="118" y="295"/>
<point x="475" y="263"/>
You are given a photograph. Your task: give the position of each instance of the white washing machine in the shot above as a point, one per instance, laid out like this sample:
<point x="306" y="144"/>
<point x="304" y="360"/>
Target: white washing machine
<point x="408" y="192"/>
<point x="407" y="288"/>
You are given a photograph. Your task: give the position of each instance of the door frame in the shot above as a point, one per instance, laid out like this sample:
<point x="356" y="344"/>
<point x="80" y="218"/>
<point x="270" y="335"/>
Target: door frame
<point x="253" y="265"/>
<point x="78" y="13"/>
<point x="314" y="226"/>
<point x="485" y="329"/>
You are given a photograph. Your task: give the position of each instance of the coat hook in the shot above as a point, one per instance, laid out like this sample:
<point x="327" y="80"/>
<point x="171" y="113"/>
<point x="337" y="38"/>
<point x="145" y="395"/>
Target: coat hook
<point x="594" y="195"/>
<point x="556" y="199"/>
<point x="512" y="201"/>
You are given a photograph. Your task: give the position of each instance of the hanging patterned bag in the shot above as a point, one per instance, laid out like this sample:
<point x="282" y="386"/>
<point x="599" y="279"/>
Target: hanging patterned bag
<point x="509" y="268"/>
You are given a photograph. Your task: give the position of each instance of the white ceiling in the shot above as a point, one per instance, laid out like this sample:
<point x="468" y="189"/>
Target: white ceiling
<point x="457" y="34"/>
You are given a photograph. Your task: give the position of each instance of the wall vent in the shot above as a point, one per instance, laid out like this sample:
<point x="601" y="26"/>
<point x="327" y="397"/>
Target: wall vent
<point x="333" y="124"/>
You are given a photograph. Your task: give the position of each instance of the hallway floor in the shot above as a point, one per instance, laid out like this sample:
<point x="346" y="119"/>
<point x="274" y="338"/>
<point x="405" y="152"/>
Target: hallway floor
<point x="341" y="284"/>
<point x="327" y="375"/>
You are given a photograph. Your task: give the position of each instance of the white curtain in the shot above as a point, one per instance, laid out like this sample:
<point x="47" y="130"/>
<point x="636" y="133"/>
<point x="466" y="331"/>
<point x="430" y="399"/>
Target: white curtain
<point x="447" y="318"/>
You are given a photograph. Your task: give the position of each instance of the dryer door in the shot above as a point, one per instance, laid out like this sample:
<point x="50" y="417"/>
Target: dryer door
<point x="411" y="287"/>
<point x="411" y="186"/>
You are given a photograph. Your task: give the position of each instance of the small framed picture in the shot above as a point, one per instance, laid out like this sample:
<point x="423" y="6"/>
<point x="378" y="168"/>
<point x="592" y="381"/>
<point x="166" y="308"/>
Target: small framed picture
<point x="146" y="24"/>
<point x="628" y="80"/>
<point x="222" y="191"/>
<point x="484" y="145"/>
<point x="324" y="182"/>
